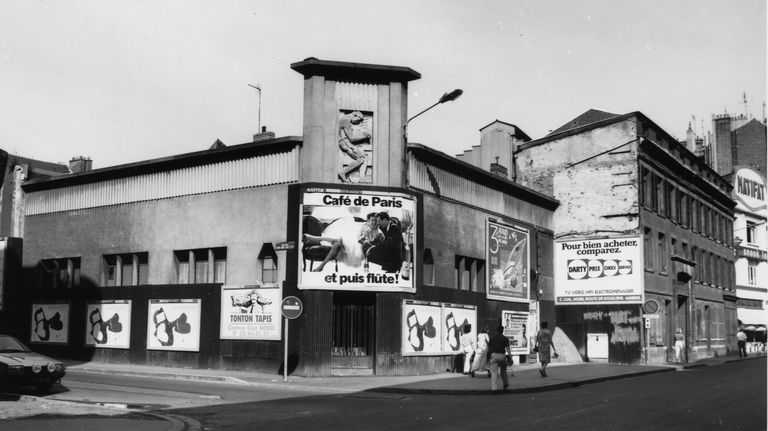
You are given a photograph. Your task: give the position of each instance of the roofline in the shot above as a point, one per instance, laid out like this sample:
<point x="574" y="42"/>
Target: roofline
<point x="518" y="130"/>
<point x="341" y="70"/>
<point x="484" y="177"/>
<point x="178" y="161"/>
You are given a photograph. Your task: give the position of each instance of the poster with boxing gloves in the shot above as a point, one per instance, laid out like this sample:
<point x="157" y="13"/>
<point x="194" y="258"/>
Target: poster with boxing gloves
<point x="174" y="324"/>
<point x="108" y="324"/>
<point x="50" y="323"/>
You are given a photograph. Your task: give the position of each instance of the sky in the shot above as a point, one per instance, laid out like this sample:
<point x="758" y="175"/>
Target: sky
<point x="126" y="81"/>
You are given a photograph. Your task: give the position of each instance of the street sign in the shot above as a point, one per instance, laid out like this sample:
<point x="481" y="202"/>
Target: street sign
<point x="291" y="307"/>
<point x="650" y="316"/>
<point x="287" y="245"/>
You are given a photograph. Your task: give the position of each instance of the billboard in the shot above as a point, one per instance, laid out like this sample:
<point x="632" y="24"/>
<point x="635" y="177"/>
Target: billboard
<point x="507" y="262"/>
<point x="517" y="329"/>
<point x="749" y="188"/>
<point x="108" y="324"/>
<point x="433" y="328"/>
<point x="598" y="271"/>
<point x="173" y="324"/>
<point x="50" y="323"/>
<point x="357" y="240"/>
<point x="250" y="313"/>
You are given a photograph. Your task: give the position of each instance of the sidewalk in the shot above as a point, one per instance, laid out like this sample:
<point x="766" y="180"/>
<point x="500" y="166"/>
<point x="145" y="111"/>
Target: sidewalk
<point x="526" y="377"/>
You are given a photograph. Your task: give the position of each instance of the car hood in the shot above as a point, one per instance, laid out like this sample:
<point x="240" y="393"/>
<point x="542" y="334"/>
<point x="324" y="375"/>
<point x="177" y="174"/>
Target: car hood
<point x="25" y="358"/>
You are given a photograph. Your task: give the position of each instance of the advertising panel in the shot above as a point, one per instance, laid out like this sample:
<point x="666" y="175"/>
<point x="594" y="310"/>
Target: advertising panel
<point x="508" y="262"/>
<point x="599" y="271"/>
<point x="50" y="323"/>
<point x="456" y="316"/>
<point x="108" y="324"/>
<point x="517" y="329"/>
<point x="749" y="187"/>
<point x="357" y="241"/>
<point x="250" y="313"/>
<point x="433" y="328"/>
<point x="174" y="324"/>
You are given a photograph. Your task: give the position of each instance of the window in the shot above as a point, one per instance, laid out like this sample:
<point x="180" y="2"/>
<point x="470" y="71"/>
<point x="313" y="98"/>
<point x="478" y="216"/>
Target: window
<point x="127" y="269"/>
<point x="671" y="196"/>
<point x="695" y="215"/>
<point x="675" y="251"/>
<point x="685" y="209"/>
<point x="63" y="273"/>
<point x="684" y="251"/>
<point x="662" y="246"/>
<point x="656" y="184"/>
<point x="712" y="269"/>
<point x="661" y="196"/>
<point x="203" y="265"/>
<point x="470" y="273"/>
<point x="268" y="258"/>
<point x="428" y="267"/>
<point x="752" y="274"/>
<point x="751" y="231"/>
<point x="648" y="249"/>
<point x="646" y="190"/>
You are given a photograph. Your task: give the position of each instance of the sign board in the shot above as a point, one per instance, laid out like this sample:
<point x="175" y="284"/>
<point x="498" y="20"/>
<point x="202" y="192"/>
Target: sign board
<point x="286" y="245"/>
<point x="650" y="316"/>
<point x="598" y="271"/>
<point x="108" y="324"/>
<point x="291" y="307"/>
<point x="357" y="240"/>
<point x="250" y="313"/>
<point x="749" y="189"/>
<point x="50" y="323"/>
<point x="508" y="262"/>
<point x="173" y="324"/>
<point x="434" y="328"/>
<point x="517" y="330"/>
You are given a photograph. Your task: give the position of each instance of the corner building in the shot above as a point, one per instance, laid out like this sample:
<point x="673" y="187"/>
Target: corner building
<point x="197" y="250"/>
<point x="643" y="240"/>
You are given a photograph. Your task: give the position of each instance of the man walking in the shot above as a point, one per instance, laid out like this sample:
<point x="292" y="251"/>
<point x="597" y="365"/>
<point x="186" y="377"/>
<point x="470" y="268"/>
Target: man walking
<point x="741" y="341"/>
<point x="499" y="348"/>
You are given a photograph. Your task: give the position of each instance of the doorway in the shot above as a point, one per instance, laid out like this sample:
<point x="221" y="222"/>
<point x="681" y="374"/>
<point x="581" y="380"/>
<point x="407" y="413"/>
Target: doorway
<point x="354" y="333"/>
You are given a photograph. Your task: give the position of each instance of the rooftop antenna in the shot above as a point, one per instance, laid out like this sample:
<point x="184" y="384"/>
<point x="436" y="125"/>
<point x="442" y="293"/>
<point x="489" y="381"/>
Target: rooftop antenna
<point x="765" y="119"/>
<point x="257" y="87"/>
<point x="744" y="96"/>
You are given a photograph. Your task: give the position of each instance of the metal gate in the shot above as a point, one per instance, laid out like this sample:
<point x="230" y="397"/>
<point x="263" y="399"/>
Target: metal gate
<point x="354" y="332"/>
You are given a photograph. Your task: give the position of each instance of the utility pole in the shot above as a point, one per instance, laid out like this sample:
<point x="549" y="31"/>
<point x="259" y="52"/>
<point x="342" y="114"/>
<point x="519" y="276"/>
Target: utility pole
<point x="257" y="87"/>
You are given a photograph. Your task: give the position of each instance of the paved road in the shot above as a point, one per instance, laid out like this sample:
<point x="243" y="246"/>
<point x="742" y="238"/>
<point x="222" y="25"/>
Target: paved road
<point x="723" y="397"/>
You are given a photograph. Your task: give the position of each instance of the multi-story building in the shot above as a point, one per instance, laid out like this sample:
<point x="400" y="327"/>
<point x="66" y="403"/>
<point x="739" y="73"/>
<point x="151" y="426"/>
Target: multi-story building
<point x="642" y="239"/>
<point x="194" y="253"/>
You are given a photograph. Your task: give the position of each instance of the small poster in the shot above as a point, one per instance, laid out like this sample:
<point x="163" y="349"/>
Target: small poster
<point x="250" y="313"/>
<point x="508" y="257"/>
<point x="517" y="330"/>
<point x="422" y="328"/>
<point x="108" y="324"/>
<point x="50" y="323"/>
<point x="174" y="324"/>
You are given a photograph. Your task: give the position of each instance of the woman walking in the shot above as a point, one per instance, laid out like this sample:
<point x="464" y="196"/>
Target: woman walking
<point x="481" y="352"/>
<point x="543" y="344"/>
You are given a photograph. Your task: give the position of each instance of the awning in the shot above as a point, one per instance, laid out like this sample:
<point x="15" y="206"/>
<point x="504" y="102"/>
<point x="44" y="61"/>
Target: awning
<point x="749" y="328"/>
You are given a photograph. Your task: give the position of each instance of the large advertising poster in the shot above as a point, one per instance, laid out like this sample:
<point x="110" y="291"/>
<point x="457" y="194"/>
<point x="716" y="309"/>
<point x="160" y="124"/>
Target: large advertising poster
<point x="357" y="241"/>
<point x="517" y="329"/>
<point x="508" y="262"/>
<point x="433" y="328"/>
<point x="250" y="313"/>
<point x="108" y="324"/>
<point x="50" y="323"/>
<point x="598" y="271"/>
<point x="174" y="324"/>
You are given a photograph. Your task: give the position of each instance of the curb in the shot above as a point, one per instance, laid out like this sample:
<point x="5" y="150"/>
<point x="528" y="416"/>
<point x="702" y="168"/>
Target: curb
<point x="528" y="390"/>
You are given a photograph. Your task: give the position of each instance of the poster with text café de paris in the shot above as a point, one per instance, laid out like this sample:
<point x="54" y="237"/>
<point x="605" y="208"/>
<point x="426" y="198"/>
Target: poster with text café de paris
<point x="508" y="262"/>
<point x="598" y="271"/>
<point x="357" y="240"/>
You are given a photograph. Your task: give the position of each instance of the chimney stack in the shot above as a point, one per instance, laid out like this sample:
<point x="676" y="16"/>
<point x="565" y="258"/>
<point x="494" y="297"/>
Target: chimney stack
<point x="80" y="164"/>
<point x="263" y="135"/>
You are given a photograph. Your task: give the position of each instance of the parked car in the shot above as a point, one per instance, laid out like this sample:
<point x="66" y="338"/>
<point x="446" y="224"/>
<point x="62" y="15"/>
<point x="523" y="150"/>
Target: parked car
<point x="20" y="366"/>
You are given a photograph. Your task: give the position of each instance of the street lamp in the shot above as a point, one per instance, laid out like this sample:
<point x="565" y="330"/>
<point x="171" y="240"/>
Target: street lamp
<point x="447" y="97"/>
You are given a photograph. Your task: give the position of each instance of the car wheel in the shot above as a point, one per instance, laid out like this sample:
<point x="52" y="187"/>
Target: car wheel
<point x="44" y="387"/>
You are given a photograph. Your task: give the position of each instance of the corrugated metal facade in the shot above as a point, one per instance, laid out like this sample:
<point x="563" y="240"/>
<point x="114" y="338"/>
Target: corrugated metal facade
<point x="363" y="97"/>
<point x="277" y="168"/>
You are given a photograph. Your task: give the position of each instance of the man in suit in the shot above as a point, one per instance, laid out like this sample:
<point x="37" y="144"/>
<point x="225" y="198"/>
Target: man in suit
<point x="389" y="252"/>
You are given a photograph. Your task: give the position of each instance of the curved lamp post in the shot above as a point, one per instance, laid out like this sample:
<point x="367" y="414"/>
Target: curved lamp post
<point x="447" y="97"/>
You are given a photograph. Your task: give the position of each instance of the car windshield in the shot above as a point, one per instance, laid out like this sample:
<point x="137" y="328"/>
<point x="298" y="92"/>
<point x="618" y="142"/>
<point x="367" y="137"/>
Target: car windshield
<point x="9" y="344"/>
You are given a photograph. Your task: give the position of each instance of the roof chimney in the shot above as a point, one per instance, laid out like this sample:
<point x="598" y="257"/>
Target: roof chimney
<point x="263" y="135"/>
<point x="80" y="164"/>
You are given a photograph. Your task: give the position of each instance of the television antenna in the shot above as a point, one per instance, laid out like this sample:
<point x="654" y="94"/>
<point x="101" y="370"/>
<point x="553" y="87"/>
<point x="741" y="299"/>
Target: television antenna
<point x="257" y="87"/>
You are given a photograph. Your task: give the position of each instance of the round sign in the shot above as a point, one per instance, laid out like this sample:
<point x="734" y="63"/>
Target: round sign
<point x="291" y="307"/>
<point x="651" y="306"/>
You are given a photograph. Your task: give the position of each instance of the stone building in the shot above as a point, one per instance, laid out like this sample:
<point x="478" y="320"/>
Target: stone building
<point x="192" y="254"/>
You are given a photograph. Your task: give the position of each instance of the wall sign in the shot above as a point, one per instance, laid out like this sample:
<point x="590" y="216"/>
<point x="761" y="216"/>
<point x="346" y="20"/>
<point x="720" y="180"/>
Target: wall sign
<point x="507" y="262"/>
<point x="174" y="324"/>
<point x="250" y="313"/>
<point x="50" y="323"/>
<point x="108" y="324"/>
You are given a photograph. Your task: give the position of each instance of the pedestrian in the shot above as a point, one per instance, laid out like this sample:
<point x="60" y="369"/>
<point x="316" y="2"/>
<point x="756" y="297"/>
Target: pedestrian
<point x="741" y="341"/>
<point x="467" y="346"/>
<point x="481" y="352"/>
<point x="543" y="344"/>
<point x="500" y="354"/>
<point x="679" y="345"/>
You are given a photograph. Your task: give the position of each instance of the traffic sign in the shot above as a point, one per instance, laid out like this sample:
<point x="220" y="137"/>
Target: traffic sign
<point x="291" y="307"/>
